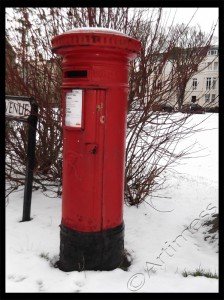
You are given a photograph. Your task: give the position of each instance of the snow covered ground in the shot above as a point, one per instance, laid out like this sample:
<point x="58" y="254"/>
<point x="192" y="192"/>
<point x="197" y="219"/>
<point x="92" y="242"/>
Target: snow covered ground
<point x="164" y="236"/>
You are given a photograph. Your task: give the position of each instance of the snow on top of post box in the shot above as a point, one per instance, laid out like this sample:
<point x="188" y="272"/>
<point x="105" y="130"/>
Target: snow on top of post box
<point x="96" y="29"/>
<point x="95" y="36"/>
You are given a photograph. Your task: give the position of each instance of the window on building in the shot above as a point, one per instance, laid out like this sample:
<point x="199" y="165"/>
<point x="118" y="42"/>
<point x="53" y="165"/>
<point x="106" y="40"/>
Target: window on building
<point x="212" y="52"/>
<point x="209" y="66"/>
<point x="207" y="98"/>
<point x="208" y="83"/>
<point x="216" y="66"/>
<point x="194" y="84"/>
<point x="213" y="98"/>
<point x="193" y="99"/>
<point x="214" y="82"/>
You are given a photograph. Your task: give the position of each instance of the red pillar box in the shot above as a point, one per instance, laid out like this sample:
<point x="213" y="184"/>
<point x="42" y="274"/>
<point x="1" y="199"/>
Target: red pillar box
<point x="94" y="89"/>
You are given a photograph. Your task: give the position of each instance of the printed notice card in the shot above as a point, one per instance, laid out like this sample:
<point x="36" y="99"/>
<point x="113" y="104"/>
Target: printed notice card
<point x="73" y="110"/>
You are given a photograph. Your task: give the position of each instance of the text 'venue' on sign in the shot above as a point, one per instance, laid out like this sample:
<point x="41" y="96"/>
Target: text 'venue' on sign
<point x="17" y="108"/>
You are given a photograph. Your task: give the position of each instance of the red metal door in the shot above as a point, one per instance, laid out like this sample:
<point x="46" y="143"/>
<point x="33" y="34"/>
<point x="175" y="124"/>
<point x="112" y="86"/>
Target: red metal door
<point x="82" y="204"/>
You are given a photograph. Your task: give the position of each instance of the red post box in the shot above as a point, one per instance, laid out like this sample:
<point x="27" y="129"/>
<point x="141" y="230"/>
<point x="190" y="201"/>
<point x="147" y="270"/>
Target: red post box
<point x="94" y="92"/>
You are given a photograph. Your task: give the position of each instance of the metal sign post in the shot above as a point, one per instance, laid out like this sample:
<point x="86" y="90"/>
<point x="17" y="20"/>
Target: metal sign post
<point x="24" y="109"/>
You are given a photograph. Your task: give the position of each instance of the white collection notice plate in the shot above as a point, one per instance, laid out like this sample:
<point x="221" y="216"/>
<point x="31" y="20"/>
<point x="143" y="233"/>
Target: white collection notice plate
<point x="73" y="110"/>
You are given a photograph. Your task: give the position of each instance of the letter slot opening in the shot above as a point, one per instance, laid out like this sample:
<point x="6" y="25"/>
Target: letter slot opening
<point x="76" y="74"/>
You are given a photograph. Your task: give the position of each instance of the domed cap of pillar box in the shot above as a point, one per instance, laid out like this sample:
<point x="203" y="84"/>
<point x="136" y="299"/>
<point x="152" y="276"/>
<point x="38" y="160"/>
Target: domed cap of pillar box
<point x="95" y="37"/>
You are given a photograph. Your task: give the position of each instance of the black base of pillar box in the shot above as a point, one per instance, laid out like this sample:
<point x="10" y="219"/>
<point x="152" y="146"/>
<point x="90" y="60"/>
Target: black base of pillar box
<point x="102" y="250"/>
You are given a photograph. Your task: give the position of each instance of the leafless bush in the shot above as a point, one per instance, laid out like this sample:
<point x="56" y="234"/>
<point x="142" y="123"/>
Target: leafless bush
<point x="152" y="136"/>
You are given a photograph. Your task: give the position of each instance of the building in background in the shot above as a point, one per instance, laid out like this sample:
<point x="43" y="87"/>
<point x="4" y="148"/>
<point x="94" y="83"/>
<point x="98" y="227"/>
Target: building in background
<point x="164" y="80"/>
<point x="203" y="87"/>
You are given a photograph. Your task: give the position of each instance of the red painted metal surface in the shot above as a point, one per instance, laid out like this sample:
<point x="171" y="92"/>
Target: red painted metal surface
<point x="97" y="62"/>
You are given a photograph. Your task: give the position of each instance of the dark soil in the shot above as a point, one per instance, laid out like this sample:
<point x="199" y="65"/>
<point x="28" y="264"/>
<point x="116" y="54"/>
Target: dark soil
<point x="126" y="262"/>
<point x="214" y="222"/>
<point x="211" y="235"/>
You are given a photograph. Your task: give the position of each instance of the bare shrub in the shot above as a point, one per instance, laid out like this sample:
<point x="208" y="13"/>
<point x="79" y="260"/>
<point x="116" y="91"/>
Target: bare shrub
<point x="152" y="135"/>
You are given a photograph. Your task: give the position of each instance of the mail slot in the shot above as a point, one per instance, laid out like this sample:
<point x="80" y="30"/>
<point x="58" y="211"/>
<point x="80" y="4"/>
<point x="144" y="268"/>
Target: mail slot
<point x="94" y="101"/>
<point x="77" y="74"/>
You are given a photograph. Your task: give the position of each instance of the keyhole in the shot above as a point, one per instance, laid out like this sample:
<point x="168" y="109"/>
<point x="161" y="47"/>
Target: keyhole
<point x="94" y="150"/>
<point x="102" y="119"/>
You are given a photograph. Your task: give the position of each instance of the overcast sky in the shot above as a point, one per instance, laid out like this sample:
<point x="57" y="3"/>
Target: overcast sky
<point x="204" y="17"/>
